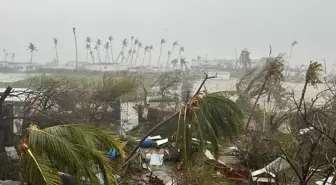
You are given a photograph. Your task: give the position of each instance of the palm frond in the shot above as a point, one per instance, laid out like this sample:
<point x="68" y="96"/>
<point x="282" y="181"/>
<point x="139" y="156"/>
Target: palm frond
<point x="41" y="171"/>
<point x="79" y="150"/>
<point x="209" y="118"/>
<point x="313" y="73"/>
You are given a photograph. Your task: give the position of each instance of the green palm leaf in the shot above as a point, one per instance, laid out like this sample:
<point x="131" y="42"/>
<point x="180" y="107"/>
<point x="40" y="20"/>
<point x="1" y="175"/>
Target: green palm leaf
<point x="209" y="118"/>
<point x="79" y="150"/>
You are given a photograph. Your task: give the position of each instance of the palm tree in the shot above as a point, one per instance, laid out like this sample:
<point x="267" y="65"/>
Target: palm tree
<point x="273" y="69"/>
<point x="145" y="50"/>
<point x="92" y="56"/>
<point x="124" y="44"/>
<point x="4" y="51"/>
<point x="74" y="32"/>
<point x="98" y="44"/>
<point x="139" y="46"/>
<point x="13" y="56"/>
<point x="110" y="40"/>
<point x="129" y="53"/>
<point x="107" y="56"/>
<point x="132" y="38"/>
<point x="162" y="42"/>
<point x="183" y="63"/>
<point x="150" y="48"/>
<point x="180" y="52"/>
<point x="291" y="50"/>
<point x="313" y="78"/>
<point x="170" y="53"/>
<point x="205" y="117"/>
<point x="56" y="42"/>
<point x="32" y="49"/>
<point x="79" y="150"/>
<point x="96" y="48"/>
<point x="88" y="49"/>
<point x="174" y="62"/>
<point x="136" y="42"/>
<point x="88" y="42"/>
<point x="290" y="56"/>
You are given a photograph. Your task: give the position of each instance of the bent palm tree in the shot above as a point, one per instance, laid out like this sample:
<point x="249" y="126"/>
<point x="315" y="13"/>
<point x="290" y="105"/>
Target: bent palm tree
<point x="96" y="48"/>
<point x="273" y="69"/>
<point x="56" y="43"/>
<point x="79" y="150"/>
<point x="88" y="49"/>
<point x="313" y="78"/>
<point x="162" y="42"/>
<point x="110" y="40"/>
<point x="174" y="62"/>
<point x="170" y="53"/>
<point x="107" y="56"/>
<point x="206" y="117"/>
<point x="92" y="56"/>
<point x="88" y="42"/>
<point x="124" y="44"/>
<point x="98" y="44"/>
<point x="32" y="49"/>
<point x="136" y="42"/>
<point x="183" y="63"/>
<point x="143" y="58"/>
<point x="137" y="55"/>
<point x="180" y="52"/>
<point x="129" y="53"/>
<point x="290" y="56"/>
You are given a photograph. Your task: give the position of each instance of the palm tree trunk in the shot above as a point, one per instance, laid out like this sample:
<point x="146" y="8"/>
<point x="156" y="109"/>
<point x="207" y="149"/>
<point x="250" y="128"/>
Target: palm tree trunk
<point x="160" y="56"/>
<point x="128" y="58"/>
<point x="56" y="54"/>
<point x="98" y="53"/>
<point x="255" y="103"/>
<point x="298" y="113"/>
<point x="106" y="56"/>
<point x="136" y="58"/>
<point x="290" y="56"/>
<point x="116" y="61"/>
<point x="142" y="63"/>
<point x="149" y="59"/>
<point x="132" y="54"/>
<point x="111" y="52"/>
<point x="170" y="56"/>
<point x="168" y="60"/>
<point x="87" y="55"/>
<point x="76" y="51"/>
<point x="92" y="57"/>
<point x="121" y="53"/>
<point x="31" y="59"/>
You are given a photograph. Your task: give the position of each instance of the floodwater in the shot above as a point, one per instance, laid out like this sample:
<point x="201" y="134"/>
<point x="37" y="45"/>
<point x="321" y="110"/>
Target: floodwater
<point x="129" y="115"/>
<point x="12" y="77"/>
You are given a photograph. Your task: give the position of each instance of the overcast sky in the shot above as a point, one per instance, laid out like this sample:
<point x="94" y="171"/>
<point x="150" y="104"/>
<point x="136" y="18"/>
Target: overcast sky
<point x="215" y="27"/>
